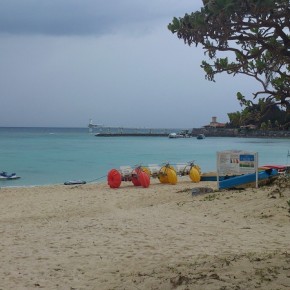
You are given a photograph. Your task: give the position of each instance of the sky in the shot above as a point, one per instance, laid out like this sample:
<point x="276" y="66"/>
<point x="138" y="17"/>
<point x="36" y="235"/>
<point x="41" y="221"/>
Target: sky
<point x="64" y="62"/>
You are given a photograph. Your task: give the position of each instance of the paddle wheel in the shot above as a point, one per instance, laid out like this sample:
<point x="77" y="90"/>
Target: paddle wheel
<point x="190" y="169"/>
<point x="167" y="174"/>
<point x="139" y="176"/>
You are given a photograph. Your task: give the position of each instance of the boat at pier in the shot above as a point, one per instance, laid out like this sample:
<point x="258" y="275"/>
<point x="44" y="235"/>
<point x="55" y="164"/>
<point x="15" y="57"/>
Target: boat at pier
<point x="200" y="136"/>
<point x="181" y="134"/>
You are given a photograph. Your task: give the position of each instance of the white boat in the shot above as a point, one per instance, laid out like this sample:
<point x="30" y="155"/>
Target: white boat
<point x="172" y="135"/>
<point x="92" y="125"/>
<point x="5" y="176"/>
<point x="182" y="134"/>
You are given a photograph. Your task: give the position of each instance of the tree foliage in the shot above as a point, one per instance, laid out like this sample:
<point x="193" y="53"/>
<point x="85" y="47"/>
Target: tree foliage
<point x="249" y="37"/>
<point x="259" y="114"/>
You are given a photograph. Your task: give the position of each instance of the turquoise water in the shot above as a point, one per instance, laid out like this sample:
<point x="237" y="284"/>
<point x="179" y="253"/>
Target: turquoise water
<point x="54" y="155"/>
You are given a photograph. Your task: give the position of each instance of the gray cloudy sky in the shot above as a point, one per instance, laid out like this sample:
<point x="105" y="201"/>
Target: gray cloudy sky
<point x="63" y="62"/>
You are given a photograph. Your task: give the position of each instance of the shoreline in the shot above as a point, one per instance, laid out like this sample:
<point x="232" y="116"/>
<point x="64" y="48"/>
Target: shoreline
<point x="48" y="185"/>
<point x="94" y="237"/>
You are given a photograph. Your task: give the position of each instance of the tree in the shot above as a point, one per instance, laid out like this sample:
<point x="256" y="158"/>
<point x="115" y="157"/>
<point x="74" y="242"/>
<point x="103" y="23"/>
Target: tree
<point x="235" y="119"/>
<point x="263" y="126"/>
<point x="249" y="37"/>
<point x="256" y="114"/>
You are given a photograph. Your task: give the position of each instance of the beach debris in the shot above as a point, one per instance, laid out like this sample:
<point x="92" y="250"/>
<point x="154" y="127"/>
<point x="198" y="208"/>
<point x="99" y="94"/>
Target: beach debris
<point x="201" y="190"/>
<point x="179" y="280"/>
<point x="281" y="184"/>
<point x="187" y="189"/>
<point x="283" y="181"/>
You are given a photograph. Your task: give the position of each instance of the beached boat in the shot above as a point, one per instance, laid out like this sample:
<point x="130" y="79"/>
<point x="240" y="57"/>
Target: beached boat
<point x="212" y="176"/>
<point x="5" y="176"/>
<point x="280" y="168"/>
<point x="200" y="136"/>
<point x="249" y="180"/>
<point x="74" y="182"/>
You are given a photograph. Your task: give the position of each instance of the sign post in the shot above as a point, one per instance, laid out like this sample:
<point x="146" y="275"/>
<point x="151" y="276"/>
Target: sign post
<point x="236" y="162"/>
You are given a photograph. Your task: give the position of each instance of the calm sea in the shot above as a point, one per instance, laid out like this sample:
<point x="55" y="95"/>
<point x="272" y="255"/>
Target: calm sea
<point x="54" y="155"/>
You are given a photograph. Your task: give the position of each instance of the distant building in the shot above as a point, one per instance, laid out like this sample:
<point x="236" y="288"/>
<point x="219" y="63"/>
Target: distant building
<point x="215" y="124"/>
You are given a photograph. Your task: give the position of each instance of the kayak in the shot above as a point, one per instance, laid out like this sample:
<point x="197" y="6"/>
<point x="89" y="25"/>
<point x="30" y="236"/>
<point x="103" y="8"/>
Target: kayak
<point x="74" y="182"/>
<point x="249" y="180"/>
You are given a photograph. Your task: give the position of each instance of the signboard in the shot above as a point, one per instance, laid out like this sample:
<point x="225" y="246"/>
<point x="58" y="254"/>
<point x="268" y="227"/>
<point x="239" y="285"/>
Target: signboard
<point x="237" y="162"/>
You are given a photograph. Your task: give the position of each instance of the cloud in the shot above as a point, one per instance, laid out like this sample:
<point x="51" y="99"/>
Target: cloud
<point x="85" y="17"/>
<point x="65" y="61"/>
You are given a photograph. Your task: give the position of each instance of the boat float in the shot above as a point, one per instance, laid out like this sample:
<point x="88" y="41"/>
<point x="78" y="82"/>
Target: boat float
<point x="140" y="175"/>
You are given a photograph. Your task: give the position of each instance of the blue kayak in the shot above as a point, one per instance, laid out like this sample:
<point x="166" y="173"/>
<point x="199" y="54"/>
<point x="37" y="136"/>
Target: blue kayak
<point x="248" y="180"/>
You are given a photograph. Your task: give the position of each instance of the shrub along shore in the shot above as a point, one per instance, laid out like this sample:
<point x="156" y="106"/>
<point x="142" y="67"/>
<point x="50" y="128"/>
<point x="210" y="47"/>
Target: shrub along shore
<point x="227" y="132"/>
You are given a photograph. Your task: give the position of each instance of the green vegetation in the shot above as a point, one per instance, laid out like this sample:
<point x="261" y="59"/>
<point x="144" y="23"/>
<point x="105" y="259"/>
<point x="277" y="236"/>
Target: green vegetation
<point x="211" y="197"/>
<point x="265" y="115"/>
<point x="249" y="37"/>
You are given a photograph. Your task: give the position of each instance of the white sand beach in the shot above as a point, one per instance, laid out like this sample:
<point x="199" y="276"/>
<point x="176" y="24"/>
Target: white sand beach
<point x="161" y="237"/>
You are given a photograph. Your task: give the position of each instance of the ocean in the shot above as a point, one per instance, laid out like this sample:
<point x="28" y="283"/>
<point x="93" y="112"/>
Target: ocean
<point x="44" y="156"/>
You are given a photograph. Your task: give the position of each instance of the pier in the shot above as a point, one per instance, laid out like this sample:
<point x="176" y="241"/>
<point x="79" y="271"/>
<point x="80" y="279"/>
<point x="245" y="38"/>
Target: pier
<point x="131" y="134"/>
<point x="103" y="131"/>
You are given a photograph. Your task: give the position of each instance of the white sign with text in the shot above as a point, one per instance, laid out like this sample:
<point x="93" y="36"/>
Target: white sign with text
<point x="237" y="162"/>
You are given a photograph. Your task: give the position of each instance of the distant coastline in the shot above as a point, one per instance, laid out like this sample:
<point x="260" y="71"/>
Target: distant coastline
<point x="158" y="132"/>
<point x="227" y="132"/>
<point x="208" y="132"/>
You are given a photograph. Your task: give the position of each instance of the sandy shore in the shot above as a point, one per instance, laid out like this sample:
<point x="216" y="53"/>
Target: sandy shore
<point x="162" y="237"/>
